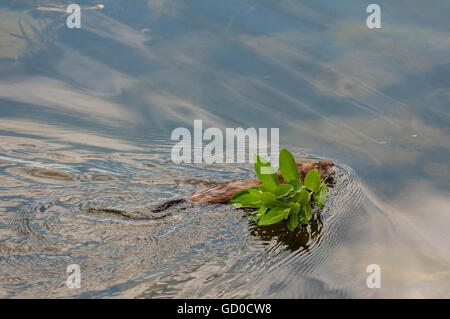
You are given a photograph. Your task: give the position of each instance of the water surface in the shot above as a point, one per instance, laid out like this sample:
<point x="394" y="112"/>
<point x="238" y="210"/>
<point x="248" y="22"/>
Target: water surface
<point x="86" y="117"/>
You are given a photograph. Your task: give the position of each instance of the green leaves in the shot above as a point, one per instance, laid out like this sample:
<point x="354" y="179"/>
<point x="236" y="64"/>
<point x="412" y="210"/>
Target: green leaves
<point x="321" y="196"/>
<point x="292" y="222"/>
<point x="283" y="190"/>
<point x="305" y="213"/>
<point x="297" y="184"/>
<point x="302" y="196"/>
<point x="312" y="180"/>
<point x="238" y="194"/>
<point x="266" y="173"/>
<point x="279" y="202"/>
<point x="259" y="213"/>
<point x="275" y="215"/>
<point x="271" y="201"/>
<point x="247" y="200"/>
<point x="288" y="167"/>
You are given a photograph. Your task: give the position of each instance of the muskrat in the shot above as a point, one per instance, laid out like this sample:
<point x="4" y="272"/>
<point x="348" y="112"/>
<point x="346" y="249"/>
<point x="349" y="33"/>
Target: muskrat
<point x="222" y="192"/>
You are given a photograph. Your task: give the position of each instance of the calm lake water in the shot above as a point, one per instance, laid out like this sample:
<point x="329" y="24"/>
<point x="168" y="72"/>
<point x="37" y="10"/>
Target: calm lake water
<point x="86" y="117"/>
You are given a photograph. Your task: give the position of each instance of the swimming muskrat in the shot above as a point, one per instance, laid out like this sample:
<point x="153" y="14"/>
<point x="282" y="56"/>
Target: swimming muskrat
<point x="222" y="192"/>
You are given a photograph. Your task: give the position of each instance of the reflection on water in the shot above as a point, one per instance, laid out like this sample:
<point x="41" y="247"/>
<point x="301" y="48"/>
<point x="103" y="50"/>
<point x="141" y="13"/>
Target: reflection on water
<point x="85" y="123"/>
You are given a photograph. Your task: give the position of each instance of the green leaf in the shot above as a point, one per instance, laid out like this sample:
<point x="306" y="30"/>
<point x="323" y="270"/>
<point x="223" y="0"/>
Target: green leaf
<point x="305" y="213"/>
<point x="247" y="200"/>
<point x="288" y="166"/>
<point x="302" y="197"/>
<point x="287" y="212"/>
<point x="321" y="196"/>
<point x="259" y="213"/>
<point x="293" y="220"/>
<point x="256" y="193"/>
<point x="258" y="188"/>
<point x="270" y="200"/>
<point x="238" y="194"/>
<point x="297" y="184"/>
<point x="275" y="215"/>
<point x="312" y="180"/>
<point x="266" y="173"/>
<point x="283" y="190"/>
<point x="295" y="208"/>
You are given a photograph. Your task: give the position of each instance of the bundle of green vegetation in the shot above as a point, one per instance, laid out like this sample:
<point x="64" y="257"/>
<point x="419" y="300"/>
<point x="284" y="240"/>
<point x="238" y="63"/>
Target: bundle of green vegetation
<point x="275" y="202"/>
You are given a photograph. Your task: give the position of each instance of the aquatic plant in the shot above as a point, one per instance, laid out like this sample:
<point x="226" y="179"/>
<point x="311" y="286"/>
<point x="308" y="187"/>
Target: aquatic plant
<point x="276" y="202"/>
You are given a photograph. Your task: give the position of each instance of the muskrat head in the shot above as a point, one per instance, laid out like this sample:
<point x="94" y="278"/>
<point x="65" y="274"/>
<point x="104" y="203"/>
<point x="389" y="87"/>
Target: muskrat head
<point x="326" y="168"/>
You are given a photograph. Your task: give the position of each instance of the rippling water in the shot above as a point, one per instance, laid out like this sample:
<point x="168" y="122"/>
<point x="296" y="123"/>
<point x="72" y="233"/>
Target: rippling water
<point x="86" y="117"/>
